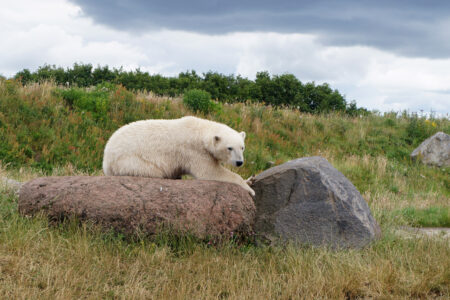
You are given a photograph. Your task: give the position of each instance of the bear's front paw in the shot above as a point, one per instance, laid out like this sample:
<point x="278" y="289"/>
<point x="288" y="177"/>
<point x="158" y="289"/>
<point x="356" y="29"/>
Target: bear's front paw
<point x="250" y="180"/>
<point x="251" y="191"/>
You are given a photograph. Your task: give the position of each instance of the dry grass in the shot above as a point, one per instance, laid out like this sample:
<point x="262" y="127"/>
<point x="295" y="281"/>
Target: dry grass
<point x="151" y="97"/>
<point x="38" y="262"/>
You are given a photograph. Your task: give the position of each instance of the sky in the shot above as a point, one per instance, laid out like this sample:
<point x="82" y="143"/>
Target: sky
<point x="385" y="55"/>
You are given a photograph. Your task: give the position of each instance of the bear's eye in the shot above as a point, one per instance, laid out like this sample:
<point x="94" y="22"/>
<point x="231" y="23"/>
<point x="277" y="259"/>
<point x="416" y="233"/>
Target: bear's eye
<point x="230" y="149"/>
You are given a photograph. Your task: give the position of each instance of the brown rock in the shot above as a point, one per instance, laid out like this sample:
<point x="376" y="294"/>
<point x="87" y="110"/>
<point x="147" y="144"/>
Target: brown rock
<point x="126" y="204"/>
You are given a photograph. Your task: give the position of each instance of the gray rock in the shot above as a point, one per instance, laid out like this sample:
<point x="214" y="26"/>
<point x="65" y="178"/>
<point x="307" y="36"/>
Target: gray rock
<point x="308" y="201"/>
<point x="435" y="150"/>
<point x="128" y="204"/>
<point x="11" y="184"/>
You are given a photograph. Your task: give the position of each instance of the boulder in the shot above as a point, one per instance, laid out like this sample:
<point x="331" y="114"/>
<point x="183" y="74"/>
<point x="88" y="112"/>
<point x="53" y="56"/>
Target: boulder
<point x="128" y="204"/>
<point x="435" y="150"/>
<point x="308" y="201"/>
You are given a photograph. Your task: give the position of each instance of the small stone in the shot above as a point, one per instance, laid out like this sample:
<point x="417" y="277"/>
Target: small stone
<point x="11" y="184"/>
<point x="434" y="151"/>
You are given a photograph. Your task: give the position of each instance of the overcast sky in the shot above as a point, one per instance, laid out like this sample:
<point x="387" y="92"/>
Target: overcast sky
<point x="386" y="55"/>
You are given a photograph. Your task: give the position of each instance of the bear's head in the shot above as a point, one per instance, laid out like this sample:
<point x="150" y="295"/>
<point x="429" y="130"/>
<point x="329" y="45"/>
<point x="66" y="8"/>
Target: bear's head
<point x="228" y="148"/>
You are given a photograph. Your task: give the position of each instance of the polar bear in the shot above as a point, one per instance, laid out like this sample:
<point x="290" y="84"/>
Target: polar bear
<point x="171" y="148"/>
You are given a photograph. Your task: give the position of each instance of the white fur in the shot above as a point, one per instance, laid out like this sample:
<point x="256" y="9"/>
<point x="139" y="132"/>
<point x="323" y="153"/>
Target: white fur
<point x="171" y="148"/>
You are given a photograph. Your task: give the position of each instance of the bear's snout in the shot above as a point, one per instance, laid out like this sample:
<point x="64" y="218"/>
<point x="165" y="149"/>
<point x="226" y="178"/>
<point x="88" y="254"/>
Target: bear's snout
<point x="239" y="163"/>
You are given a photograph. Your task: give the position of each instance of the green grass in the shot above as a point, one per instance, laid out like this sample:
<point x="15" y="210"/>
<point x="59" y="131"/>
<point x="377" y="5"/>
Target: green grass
<point x="49" y="130"/>
<point x="428" y="217"/>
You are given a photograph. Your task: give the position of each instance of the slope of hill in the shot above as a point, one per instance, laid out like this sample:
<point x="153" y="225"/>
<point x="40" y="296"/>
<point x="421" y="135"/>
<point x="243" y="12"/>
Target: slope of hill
<point x="45" y="129"/>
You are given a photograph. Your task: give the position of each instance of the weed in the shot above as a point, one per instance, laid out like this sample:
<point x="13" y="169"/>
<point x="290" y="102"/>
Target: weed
<point x="198" y="101"/>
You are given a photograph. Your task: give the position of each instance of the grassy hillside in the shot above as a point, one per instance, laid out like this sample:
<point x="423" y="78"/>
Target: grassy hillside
<point x="45" y="130"/>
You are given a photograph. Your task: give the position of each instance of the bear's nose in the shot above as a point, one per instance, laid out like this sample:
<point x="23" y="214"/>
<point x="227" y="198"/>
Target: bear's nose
<point x="239" y="163"/>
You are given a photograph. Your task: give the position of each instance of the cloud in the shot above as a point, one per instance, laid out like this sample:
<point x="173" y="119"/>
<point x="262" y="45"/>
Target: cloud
<point x="51" y="32"/>
<point x="411" y="28"/>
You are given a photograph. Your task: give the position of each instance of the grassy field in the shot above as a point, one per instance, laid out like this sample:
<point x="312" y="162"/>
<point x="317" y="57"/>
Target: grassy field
<point x="47" y="130"/>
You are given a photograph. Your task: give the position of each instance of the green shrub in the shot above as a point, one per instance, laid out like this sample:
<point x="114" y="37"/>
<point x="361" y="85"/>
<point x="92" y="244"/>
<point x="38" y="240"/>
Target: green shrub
<point x="418" y="130"/>
<point x="95" y="101"/>
<point x="198" y="100"/>
<point x="72" y="95"/>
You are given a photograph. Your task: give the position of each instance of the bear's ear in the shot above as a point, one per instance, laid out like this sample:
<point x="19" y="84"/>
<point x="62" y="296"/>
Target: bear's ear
<point x="243" y="134"/>
<point x="216" y="139"/>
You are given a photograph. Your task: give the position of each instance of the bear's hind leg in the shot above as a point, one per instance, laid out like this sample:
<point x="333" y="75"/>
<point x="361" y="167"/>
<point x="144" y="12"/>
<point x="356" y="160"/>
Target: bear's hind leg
<point x="135" y="166"/>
